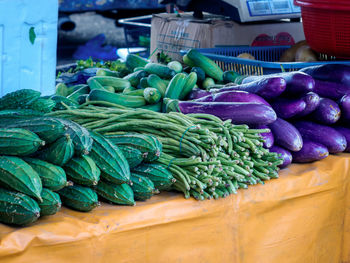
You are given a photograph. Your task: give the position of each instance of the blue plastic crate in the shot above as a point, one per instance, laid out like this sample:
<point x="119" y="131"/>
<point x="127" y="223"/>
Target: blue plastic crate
<point x="265" y="57"/>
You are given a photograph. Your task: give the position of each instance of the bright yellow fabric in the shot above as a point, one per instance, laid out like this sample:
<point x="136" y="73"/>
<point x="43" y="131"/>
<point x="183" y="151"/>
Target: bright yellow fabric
<point x="302" y="217"/>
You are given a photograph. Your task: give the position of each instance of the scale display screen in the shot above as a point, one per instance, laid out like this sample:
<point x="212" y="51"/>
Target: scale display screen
<point x="271" y="7"/>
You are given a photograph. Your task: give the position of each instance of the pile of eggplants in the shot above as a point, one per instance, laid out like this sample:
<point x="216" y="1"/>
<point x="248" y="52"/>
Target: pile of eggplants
<point x="307" y="111"/>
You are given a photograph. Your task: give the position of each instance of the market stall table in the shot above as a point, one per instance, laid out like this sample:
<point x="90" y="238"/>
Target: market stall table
<point x="302" y="217"/>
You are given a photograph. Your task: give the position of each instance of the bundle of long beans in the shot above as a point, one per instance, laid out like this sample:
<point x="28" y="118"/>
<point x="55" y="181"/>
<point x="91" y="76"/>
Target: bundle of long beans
<point x="208" y="157"/>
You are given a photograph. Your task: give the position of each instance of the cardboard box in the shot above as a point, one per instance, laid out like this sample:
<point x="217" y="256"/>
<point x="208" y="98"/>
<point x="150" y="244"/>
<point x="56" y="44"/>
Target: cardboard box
<point x="170" y="33"/>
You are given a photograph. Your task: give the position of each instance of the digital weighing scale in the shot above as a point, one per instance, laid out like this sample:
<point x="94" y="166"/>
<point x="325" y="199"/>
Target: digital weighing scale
<point x="243" y="10"/>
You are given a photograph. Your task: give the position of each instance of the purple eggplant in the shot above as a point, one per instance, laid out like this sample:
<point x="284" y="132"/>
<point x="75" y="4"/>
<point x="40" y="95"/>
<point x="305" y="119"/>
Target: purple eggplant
<point x="265" y="87"/>
<point x="267" y="136"/>
<point x="238" y="112"/>
<point x="339" y="73"/>
<point x="233" y="96"/>
<point x="327" y="112"/>
<point x="346" y="133"/>
<point x="344" y="104"/>
<point x="288" y="108"/>
<point x="311" y="151"/>
<point x="297" y="83"/>
<point x="331" y="90"/>
<point x="312" y="101"/>
<point x="329" y="137"/>
<point x="197" y="93"/>
<point x="285" y="155"/>
<point x="286" y="135"/>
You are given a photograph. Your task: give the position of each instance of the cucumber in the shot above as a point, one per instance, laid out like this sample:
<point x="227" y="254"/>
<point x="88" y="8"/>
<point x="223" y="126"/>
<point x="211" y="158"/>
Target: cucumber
<point x="137" y="92"/>
<point x="107" y="72"/>
<point x="209" y="66"/>
<point x="153" y="107"/>
<point x="152" y="95"/>
<point x="200" y="74"/>
<point x="94" y="84"/>
<point x="207" y="83"/>
<point x="81" y="91"/>
<point x="188" y="61"/>
<point x="191" y="81"/>
<point x="175" y="65"/>
<point x="121" y="99"/>
<point x="156" y="82"/>
<point x="118" y="84"/>
<point x="143" y="83"/>
<point x="134" y="78"/>
<point x="230" y="76"/>
<point x="160" y="70"/>
<point x="175" y="86"/>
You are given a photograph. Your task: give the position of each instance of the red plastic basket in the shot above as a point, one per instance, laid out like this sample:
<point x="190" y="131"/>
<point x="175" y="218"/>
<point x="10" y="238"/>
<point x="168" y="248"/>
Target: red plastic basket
<point x="327" y="25"/>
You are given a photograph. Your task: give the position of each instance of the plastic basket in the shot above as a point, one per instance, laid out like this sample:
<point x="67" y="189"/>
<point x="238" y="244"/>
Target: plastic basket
<point x="265" y="57"/>
<point x="136" y="27"/>
<point x="327" y="25"/>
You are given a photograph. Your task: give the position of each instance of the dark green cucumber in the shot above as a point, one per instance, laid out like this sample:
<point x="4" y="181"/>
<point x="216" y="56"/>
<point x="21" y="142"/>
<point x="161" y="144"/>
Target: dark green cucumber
<point x="94" y="84"/>
<point x="132" y="155"/>
<point x="82" y="170"/>
<point x="52" y="176"/>
<point x="120" y="194"/>
<point x="175" y="86"/>
<point x="20" y="142"/>
<point x="152" y="95"/>
<point x="109" y="158"/>
<point x="51" y="203"/>
<point x="17" y="208"/>
<point x="118" y="84"/>
<point x="230" y="76"/>
<point x="82" y="99"/>
<point x="158" y="174"/>
<point x="134" y="61"/>
<point x="17" y="175"/>
<point x="143" y="83"/>
<point x="134" y="78"/>
<point x="142" y="186"/>
<point x="121" y="99"/>
<point x="79" y="198"/>
<point x="160" y="70"/>
<point x="200" y="74"/>
<point x="59" y="152"/>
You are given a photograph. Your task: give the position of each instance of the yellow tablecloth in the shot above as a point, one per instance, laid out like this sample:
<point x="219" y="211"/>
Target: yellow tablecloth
<point x="302" y="217"/>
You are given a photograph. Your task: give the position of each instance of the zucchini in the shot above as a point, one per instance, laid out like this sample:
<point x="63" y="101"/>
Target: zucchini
<point x="152" y="95"/>
<point x="175" y="86"/>
<point x="20" y="142"/>
<point x="175" y="65"/>
<point x="209" y="66"/>
<point x="121" y="99"/>
<point x="17" y="208"/>
<point x="156" y="82"/>
<point x="160" y="70"/>
<point x="134" y="61"/>
<point x="120" y="194"/>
